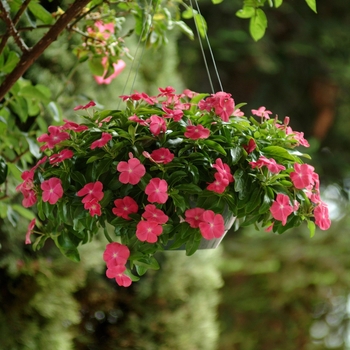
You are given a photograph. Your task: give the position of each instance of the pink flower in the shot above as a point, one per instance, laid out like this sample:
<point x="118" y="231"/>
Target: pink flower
<point x="104" y="29"/>
<point x="136" y="119"/>
<point x="281" y="208"/>
<point x="223" y="169"/>
<point x="157" y="191"/>
<point x="52" y="190"/>
<point x="29" y="198"/>
<point x="197" y="132"/>
<point x="162" y="155"/>
<point x="250" y="147"/>
<point x="92" y="190"/>
<point x="224" y="105"/>
<point x="117" y="272"/>
<point x="117" y="67"/>
<point x="148" y="231"/>
<point x="212" y="225"/>
<point x="131" y="171"/>
<point x="176" y="114"/>
<point x="88" y="105"/>
<point x="194" y="216"/>
<point x="270" y="164"/>
<point x="124" y="207"/>
<point x="93" y="206"/>
<point x="321" y="214"/>
<point x="116" y="254"/>
<point x="29" y="231"/>
<point x="220" y="183"/>
<point x="102" y="141"/>
<point x="261" y="112"/>
<point x="168" y="91"/>
<point x="302" y="176"/>
<point x="54" y="137"/>
<point x="153" y="214"/>
<point x="157" y="125"/>
<point x="27" y="184"/>
<point x="68" y="125"/>
<point x="61" y="156"/>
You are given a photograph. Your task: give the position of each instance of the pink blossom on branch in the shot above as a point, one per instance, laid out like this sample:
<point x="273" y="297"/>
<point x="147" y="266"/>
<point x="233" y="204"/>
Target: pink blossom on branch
<point x="153" y="214"/>
<point x="262" y="112"/>
<point x="156" y="190"/>
<point x="92" y="190"/>
<point x="69" y="125"/>
<point x="157" y="125"/>
<point x="194" y="216"/>
<point x="29" y="231"/>
<point x="220" y="183"/>
<point x="93" y="206"/>
<point x="148" y="231"/>
<point x="281" y="208"/>
<point x="117" y="272"/>
<point x="223" y="169"/>
<point x="88" y="105"/>
<point x="269" y="163"/>
<point x="117" y="69"/>
<point x="196" y="132"/>
<point x="212" y="225"/>
<point x="124" y="207"/>
<point x="61" y="156"/>
<point x="302" y="176"/>
<point x="102" y="141"/>
<point x="52" y="190"/>
<point x="321" y="214"/>
<point x="131" y="171"/>
<point x="116" y="254"/>
<point x="162" y="155"/>
<point x="54" y="137"/>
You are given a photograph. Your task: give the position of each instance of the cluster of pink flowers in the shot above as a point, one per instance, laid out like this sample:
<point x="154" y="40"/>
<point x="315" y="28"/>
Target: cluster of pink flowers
<point x="223" y="177"/>
<point x="93" y="194"/>
<point x="116" y="256"/>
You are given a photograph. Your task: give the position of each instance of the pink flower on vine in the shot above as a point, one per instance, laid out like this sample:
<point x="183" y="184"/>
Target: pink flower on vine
<point x="92" y="190"/>
<point x="156" y="190"/>
<point x="148" y="231"/>
<point x="302" y="176"/>
<point x="194" y="216"/>
<point x="102" y="141"/>
<point x="176" y="114"/>
<point x="117" y="272"/>
<point x="220" y="183"/>
<point x="118" y="67"/>
<point x="212" y="225"/>
<point x="124" y="207"/>
<point x="29" y="198"/>
<point x="88" y="105"/>
<point x="167" y="91"/>
<point x="262" y="112"/>
<point x="54" y="137"/>
<point x="224" y="105"/>
<point x="250" y="147"/>
<point x="131" y="171"/>
<point x="321" y="214"/>
<point x="93" y="206"/>
<point x="30" y="231"/>
<point x="269" y="163"/>
<point x="136" y="119"/>
<point x="223" y="169"/>
<point x="153" y="214"/>
<point x="116" y="254"/>
<point x="157" y="125"/>
<point x="52" y="190"/>
<point x="61" y="156"/>
<point x="196" y="132"/>
<point x="69" y="125"/>
<point x="281" y="208"/>
<point x="162" y="155"/>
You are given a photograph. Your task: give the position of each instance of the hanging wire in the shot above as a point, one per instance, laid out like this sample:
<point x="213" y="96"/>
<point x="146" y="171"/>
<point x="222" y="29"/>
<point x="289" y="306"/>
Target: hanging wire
<point x="209" y="47"/>
<point x="136" y="51"/>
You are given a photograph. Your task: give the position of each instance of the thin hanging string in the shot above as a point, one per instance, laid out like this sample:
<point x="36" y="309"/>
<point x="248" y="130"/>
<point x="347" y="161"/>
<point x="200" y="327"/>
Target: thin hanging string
<point x="135" y="55"/>
<point x="210" y="50"/>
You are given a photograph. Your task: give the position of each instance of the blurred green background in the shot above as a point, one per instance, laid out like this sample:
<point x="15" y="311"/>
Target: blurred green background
<point x="258" y="291"/>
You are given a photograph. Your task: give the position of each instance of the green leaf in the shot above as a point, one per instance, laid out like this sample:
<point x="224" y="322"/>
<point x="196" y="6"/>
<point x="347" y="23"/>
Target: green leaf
<point x="34" y="93"/>
<point x="187" y="14"/>
<point x="10" y="63"/>
<point x="19" y="106"/>
<point x="258" y="25"/>
<point x="40" y="13"/>
<point x="179" y="201"/>
<point x="28" y="214"/>
<point x="189" y="188"/>
<point x="312" y="5"/>
<point x="67" y="246"/>
<point x="200" y="24"/>
<point x="3" y="170"/>
<point x="185" y="29"/>
<point x="55" y="111"/>
<point x="214" y="145"/>
<point x="278" y="152"/>
<point x="15" y="171"/>
<point x="312" y="227"/>
<point x="278" y="3"/>
<point x="246" y="12"/>
<point x="217" y="1"/>
<point x="95" y="65"/>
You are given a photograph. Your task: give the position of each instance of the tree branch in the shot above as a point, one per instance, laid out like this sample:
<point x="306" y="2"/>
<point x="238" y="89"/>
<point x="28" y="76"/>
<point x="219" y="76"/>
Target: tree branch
<point x="30" y="57"/>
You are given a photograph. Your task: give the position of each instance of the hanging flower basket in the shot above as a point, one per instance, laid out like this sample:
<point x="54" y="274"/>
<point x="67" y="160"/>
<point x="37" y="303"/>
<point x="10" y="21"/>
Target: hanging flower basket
<point x="162" y="172"/>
